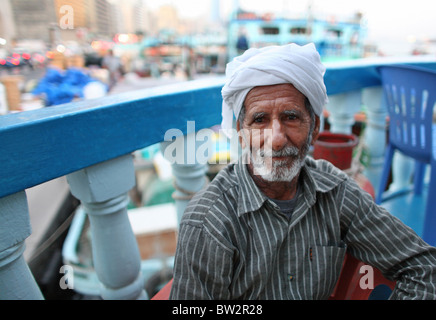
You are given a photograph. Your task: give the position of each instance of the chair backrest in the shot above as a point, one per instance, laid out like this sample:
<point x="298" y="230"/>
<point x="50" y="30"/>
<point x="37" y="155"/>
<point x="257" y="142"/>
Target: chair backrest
<point x="410" y="96"/>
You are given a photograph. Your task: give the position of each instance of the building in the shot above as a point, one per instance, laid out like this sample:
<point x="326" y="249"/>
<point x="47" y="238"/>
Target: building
<point x="92" y="18"/>
<point x="42" y="20"/>
<point x="99" y="23"/>
<point x="34" y="19"/>
<point x="79" y="23"/>
<point x="168" y="18"/>
<point x="7" y="26"/>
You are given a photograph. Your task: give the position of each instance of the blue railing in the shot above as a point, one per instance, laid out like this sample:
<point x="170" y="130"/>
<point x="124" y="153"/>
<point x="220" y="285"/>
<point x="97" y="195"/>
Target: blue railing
<point x="39" y="145"/>
<point x="91" y="141"/>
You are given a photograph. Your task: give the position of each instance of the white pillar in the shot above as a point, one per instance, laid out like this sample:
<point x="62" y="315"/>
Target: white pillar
<point x="103" y="191"/>
<point x="375" y="134"/>
<point x="188" y="155"/>
<point x="342" y="108"/>
<point x="16" y="280"/>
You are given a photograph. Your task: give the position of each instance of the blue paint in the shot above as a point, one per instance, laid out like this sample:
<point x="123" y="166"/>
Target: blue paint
<point x="40" y="145"/>
<point x="342" y="77"/>
<point x="15" y="223"/>
<point x="381" y="292"/>
<point x="16" y="280"/>
<point x="410" y="131"/>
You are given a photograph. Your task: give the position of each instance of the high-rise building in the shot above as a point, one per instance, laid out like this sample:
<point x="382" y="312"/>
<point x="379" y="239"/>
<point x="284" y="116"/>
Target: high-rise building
<point x="80" y="11"/>
<point x="41" y="19"/>
<point x="99" y="18"/>
<point x="7" y="26"/>
<point x="33" y="19"/>
<point x="132" y="16"/>
<point x="168" y="18"/>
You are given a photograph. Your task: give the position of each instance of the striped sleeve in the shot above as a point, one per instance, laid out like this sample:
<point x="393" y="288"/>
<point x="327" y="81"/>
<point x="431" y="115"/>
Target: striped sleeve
<point x="203" y="267"/>
<point x="378" y="238"/>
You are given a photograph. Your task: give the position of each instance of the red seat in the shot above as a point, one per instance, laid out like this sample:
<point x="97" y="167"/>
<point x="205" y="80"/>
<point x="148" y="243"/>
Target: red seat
<point x="164" y="293"/>
<point x="347" y="288"/>
<point x="349" y="285"/>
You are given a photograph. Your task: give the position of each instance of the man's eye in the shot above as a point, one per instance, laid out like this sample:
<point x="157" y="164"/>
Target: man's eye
<point x="291" y="115"/>
<point x="258" y="117"/>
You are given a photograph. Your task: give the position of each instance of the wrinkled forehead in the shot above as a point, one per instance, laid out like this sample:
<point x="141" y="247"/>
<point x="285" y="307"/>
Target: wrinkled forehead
<point x="272" y="93"/>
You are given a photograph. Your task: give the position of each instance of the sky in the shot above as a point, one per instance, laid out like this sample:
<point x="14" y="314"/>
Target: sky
<point x="388" y="21"/>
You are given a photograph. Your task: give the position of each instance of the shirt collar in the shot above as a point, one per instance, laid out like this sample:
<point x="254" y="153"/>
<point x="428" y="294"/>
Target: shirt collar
<point x="323" y="175"/>
<point x="250" y="197"/>
<point x="317" y="176"/>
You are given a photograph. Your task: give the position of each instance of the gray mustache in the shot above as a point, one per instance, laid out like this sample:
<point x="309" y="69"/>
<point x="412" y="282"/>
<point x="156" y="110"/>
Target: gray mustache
<point x="285" y="152"/>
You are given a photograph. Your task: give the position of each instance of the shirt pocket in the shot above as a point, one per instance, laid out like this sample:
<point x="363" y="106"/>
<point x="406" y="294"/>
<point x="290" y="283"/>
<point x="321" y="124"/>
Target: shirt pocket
<point x="326" y="265"/>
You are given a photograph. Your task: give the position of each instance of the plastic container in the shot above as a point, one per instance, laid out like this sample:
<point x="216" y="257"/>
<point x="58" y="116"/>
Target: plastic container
<point x="336" y="148"/>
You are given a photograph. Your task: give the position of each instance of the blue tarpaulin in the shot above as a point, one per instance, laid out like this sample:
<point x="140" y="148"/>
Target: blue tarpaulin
<point x="60" y="86"/>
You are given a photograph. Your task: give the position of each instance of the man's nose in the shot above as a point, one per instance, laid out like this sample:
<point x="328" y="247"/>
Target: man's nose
<point x="278" y="136"/>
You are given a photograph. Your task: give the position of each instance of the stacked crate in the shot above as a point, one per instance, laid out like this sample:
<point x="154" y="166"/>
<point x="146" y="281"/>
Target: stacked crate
<point x="13" y="94"/>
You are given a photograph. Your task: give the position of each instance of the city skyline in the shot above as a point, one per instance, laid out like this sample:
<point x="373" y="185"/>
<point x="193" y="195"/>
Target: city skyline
<point x="394" y="26"/>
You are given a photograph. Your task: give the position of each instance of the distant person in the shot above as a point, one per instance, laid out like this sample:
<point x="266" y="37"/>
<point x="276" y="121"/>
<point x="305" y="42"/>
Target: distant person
<point x="113" y="64"/>
<point x="189" y="61"/>
<point x="242" y="44"/>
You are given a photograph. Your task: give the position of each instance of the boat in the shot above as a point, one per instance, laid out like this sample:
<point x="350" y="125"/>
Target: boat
<point x="71" y="225"/>
<point x="68" y="242"/>
<point x="335" y="39"/>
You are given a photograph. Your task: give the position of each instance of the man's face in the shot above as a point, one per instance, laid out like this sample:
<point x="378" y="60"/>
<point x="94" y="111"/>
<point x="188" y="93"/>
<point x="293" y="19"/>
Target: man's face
<point x="277" y="131"/>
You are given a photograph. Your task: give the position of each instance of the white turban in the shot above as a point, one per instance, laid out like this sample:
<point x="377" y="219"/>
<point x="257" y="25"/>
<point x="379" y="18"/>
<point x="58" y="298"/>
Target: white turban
<point x="299" y="65"/>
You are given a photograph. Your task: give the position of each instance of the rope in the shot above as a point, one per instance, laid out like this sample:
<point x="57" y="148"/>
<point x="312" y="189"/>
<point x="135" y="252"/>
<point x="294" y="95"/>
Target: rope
<point x="53" y="237"/>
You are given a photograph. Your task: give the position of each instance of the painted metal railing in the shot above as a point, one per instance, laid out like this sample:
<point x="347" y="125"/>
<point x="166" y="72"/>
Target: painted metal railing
<point x="91" y="143"/>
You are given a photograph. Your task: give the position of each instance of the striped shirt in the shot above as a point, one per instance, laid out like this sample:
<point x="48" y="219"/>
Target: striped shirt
<point x="234" y="243"/>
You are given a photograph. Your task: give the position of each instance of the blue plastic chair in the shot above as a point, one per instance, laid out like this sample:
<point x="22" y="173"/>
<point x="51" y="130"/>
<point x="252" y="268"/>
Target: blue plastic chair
<point x="410" y="96"/>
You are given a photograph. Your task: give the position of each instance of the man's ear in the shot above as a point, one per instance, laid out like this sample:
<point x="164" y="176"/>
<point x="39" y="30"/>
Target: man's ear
<point x="241" y="140"/>
<point x="315" y="132"/>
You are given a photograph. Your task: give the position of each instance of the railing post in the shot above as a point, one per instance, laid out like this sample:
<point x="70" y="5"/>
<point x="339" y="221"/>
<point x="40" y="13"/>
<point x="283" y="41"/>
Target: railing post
<point x="342" y="108"/>
<point x="188" y="167"/>
<point x="16" y="279"/>
<point x="103" y="191"/>
<point x="189" y="179"/>
<point x="375" y="133"/>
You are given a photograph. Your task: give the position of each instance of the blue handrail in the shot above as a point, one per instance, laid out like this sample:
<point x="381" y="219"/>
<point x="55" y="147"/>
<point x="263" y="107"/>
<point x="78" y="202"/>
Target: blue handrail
<point x="342" y="77"/>
<point x="40" y="145"/>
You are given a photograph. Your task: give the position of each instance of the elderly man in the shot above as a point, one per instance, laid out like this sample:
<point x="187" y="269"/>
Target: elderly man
<point x="277" y="224"/>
